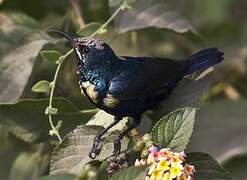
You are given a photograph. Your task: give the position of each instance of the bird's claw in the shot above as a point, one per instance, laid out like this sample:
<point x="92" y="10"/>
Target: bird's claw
<point x="117" y="144"/>
<point x="97" y="145"/>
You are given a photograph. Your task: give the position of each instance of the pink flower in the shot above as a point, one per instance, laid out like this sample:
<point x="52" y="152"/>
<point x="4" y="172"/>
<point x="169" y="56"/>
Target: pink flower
<point x="153" y="149"/>
<point x="165" y="164"/>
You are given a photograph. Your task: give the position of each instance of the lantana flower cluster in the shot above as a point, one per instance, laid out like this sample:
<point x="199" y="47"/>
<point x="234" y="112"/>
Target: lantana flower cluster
<point x="166" y="165"/>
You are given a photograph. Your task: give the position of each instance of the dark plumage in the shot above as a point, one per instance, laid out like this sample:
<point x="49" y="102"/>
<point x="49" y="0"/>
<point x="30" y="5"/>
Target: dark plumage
<point x="128" y="86"/>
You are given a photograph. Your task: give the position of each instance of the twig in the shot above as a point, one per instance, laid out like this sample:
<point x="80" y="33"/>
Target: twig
<point x="54" y="129"/>
<point x="103" y="26"/>
<point x="75" y="5"/>
<point x="89" y="110"/>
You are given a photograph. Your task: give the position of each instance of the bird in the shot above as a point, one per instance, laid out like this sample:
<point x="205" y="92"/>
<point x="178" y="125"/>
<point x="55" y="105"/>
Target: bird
<point x="126" y="86"/>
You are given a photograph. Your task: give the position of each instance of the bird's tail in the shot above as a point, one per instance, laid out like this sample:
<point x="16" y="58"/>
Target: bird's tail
<point x="204" y="59"/>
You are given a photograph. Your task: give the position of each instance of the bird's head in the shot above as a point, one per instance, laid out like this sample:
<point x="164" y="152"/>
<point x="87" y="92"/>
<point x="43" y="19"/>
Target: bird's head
<point x="90" y="52"/>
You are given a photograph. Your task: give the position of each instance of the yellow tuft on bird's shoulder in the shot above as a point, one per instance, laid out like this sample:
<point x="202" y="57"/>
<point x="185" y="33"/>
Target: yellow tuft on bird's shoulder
<point x="89" y="90"/>
<point x="110" y="101"/>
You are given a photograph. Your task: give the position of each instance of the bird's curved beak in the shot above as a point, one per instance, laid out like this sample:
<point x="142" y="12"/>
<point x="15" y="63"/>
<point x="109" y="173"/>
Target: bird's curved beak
<point x="64" y="34"/>
<point x="72" y="42"/>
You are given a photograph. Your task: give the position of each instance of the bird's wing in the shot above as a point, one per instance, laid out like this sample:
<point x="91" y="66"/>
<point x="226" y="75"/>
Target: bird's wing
<point x="145" y="77"/>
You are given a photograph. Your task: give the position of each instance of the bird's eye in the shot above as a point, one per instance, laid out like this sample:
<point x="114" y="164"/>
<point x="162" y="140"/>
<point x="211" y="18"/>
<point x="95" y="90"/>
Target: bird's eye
<point x="85" y="50"/>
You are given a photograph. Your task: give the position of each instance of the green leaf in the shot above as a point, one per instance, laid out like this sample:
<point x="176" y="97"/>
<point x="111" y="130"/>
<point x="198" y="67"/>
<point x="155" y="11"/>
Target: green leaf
<point x="152" y="14"/>
<point x="227" y="141"/>
<point x="59" y="177"/>
<point x="26" y="119"/>
<point x="71" y="155"/>
<point x="114" y="3"/>
<point x="237" y="166"/>
<point x="133" y="173"/>
<point x="207" y="168"/>
<point x="20" y="18"/>
<point x="3" y="138"/>
<point x="21" y="62"/>
<point x="19" y="50"/>
<point x="9" y="153"/>
<point x="42" y="86"/>
<point x="102" y="171"/>
<point x="175" y="129"/>
<point x="88" y="29"/>
<point x="29" y="166"/>
<point x="52" y="56"/>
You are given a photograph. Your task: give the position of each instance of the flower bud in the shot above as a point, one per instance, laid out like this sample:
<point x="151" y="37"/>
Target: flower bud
<point x="144" y="153"/>
<point x="146" y="138"/>
<point x="149" y="144"/>
<point x="139" y="146"/>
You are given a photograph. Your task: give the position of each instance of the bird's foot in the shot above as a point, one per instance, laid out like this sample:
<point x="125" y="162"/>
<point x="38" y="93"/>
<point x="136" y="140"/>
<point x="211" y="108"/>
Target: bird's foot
<point x="97" y="145"/>
<point x="117" y="144"/>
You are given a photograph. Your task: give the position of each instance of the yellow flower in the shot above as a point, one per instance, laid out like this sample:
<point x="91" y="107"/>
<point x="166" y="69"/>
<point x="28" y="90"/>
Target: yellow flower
<point x="157" y="175"/>
<point x="163" y="164"/>
<point x="176" y="159"/>
<point x="166" y="152"/>
<point x="167" y="176"/>
<point x="176" y="171"/>
<point x="166" y="165"/>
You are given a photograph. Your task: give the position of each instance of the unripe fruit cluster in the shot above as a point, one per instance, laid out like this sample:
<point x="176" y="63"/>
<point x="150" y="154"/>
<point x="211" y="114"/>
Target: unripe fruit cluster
<point x="144" y="144"/>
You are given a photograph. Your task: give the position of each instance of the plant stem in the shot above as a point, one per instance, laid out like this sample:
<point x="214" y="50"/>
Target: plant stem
<point x="90" y="110"/>
<point x="103" y="26"/>
<point x="54" y="130"/>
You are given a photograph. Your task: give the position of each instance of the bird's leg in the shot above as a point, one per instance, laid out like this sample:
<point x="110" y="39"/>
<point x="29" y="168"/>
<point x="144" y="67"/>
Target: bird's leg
<point x="98" y="138"/>
<point x="130" y="125"/>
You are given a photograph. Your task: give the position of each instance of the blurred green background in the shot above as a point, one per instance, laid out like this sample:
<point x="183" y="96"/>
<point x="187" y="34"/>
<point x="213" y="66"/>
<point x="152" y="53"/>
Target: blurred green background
<point x="221" y="123"/>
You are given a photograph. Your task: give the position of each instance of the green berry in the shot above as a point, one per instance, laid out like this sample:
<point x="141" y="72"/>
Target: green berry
<point x="139" y="146"/>
<point x="144" y="153"/>
<point x="149" y="144"/>
<point x="146" y="138"/>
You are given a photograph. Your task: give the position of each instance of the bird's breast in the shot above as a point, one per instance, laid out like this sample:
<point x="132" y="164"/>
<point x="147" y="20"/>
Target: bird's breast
<point x="89" y="90"/>
<point x="106" y="101"/>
